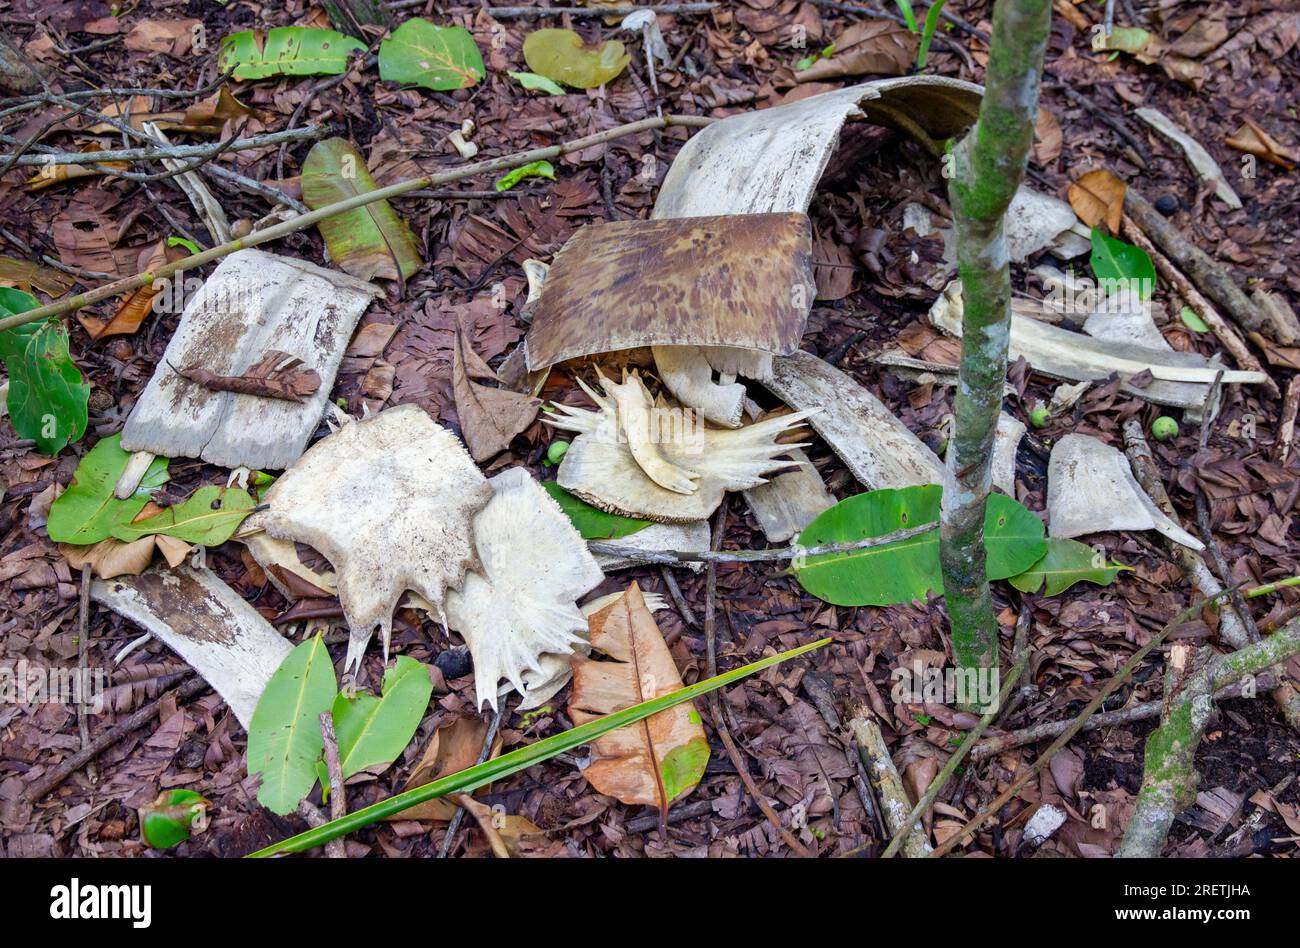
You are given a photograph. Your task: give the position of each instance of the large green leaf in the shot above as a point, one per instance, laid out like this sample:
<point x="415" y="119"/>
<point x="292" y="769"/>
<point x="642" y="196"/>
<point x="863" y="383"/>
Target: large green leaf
<point x="436" y="57"/>
<point x="592" y="522"/>
<point x="523" y="758"/>
<point x="286" y="51"/>
<point x="207" y="517"/>
<point x="907" y="569"/>
<point x="373" y="731"/>
<point x="561" y="55"/>
<point x="284" y="737"/>
<point x="87" y="511"/>
<point x="367" y="242"/>
<point x="1065" y="563"/>
<point x="47" y="395"/>
<point x="1114" y="260"/>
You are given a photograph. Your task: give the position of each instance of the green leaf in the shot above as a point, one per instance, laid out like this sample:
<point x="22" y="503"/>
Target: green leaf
<point x="207" y="517"/>
<point x="436" y="57"/>
<point x="87" y="511"/>
<point x="592" y="522"/>
<point x="286" y="51"/>
<point x="1192" y="321"/>
<point x="521" y="759"/>
<point x="1065" y="563"/>
<point x="48" y="398"/>
<point x="905" y="7"/>
<point x="284" y="737"/>
<point x="927" y="34"/>
<point x="907" y="569"/>
<point x="536" y="83"/>
<point x="534" y="169"/>
<point x="367" y="242"/>
<point x="168" y="821"/>
<point x="1117" y="262"/>
<point x="562" y="56"/>
<point x="373" y="731"/>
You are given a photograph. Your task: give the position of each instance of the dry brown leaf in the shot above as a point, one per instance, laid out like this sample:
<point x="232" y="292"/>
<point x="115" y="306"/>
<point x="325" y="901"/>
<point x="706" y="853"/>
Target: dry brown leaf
<point x="867" y="48"/>
<point x="111" y="557"/>
<point x="138" y="304"/>
<point x="833" y="270"/>
<point x="452" y="748"/>
<point x="1047" y="137"/>
<point x="656" y="761"/>
<point x="505" y="833"/>
<point x="1205" y="36"/>
<point x="27" y="277"/>
<point x="489" y="417"/>
<point x="172" y="37"/>
<point x="276" y="375"/>
<point x="1253" y="140"/>
<point x="207" y="117"/>
<point x="52" y="174"/>
<point x="1098" y="196"/>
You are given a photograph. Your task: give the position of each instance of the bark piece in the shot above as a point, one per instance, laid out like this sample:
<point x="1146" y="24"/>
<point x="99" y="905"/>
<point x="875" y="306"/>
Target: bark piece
<point x="253" y="302"/>
<point x="275" y="375"/>
<point x="658" y="760"/>
<point x="389" y="502"/>
<point x="691" y="536"/>
<point x="519" y="601"/>
<point x="208" y="624"/>
<point x="789" y="502"/>
<point x="1090" y="489"/>
<point x="723" y="280"/>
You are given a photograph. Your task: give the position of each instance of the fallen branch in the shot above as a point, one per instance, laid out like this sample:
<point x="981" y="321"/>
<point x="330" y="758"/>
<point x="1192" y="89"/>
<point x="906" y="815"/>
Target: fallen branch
<point x="1228" y="336"/>
<point x="1169" y="777"/>
<point x="338" y="803"/>
<point x="276" y="231"/>
<point x="1212" y="278"/>
<point x="894" y="802"/>
<point x="157" y="153"/>
<point x="1074" y="727"/>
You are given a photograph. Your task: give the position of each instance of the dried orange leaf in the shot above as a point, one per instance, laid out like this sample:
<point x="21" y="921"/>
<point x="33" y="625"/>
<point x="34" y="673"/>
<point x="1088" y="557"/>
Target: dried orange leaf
<point x="1098" y="197"/>
<point x="660" y="759"/>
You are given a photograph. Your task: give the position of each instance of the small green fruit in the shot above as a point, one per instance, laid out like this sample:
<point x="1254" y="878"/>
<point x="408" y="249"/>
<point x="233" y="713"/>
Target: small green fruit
<point x="170" y="819"/>
<point x="1039" y="416"/>
<point x="1164" y="428"/>
<point x="556" y="452"/>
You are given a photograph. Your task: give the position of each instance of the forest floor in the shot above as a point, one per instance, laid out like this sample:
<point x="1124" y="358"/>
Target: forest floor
<point x="792" y="739"/>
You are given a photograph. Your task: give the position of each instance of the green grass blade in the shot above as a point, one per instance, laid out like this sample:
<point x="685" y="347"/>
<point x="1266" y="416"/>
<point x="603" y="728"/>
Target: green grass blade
<point x="931" y="24"/>
<point x="905" y="7"/>
<point x="521" y="759"/>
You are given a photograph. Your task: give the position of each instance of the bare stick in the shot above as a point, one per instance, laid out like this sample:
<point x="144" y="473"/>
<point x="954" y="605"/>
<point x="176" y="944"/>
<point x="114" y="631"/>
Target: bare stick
<point x="83" y="647"/>
<point x="169" y="151"/>
<point x="893" y="796"/>
<point x="1286" y="431"/>
<point x="276" y="231"/>
<point x="793" y="552"/>
<point x="338" y="803"/>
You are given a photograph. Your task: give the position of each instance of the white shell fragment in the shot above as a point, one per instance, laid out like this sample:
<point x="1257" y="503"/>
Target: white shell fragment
<point x="1091" y="489"/>
<point x="520" y="602"/>
<point x="771" y="160"/>
<point x="1181" y="379"/>
<point x="252" y="303"/>
<point x="1047" y="819"/>
<point x="389" y="502"/>
<point x="205" y="622"/>
<point x="605" y="469"/>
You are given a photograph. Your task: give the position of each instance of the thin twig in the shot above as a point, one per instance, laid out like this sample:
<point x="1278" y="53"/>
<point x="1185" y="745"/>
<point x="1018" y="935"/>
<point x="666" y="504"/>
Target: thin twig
<point x="83" y="648"/>
<point x="453" y="826"/>
<point x="276" y="231"/>
<point x="211" y="150"/>
<point x="793" y="552"/>
<point x="1067" y="735"/>
<point x="715" y="704"/>
<point x="338" y="803"/>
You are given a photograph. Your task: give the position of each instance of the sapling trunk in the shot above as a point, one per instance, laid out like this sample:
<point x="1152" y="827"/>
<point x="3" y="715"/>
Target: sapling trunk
<point x="987" y="167"/>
